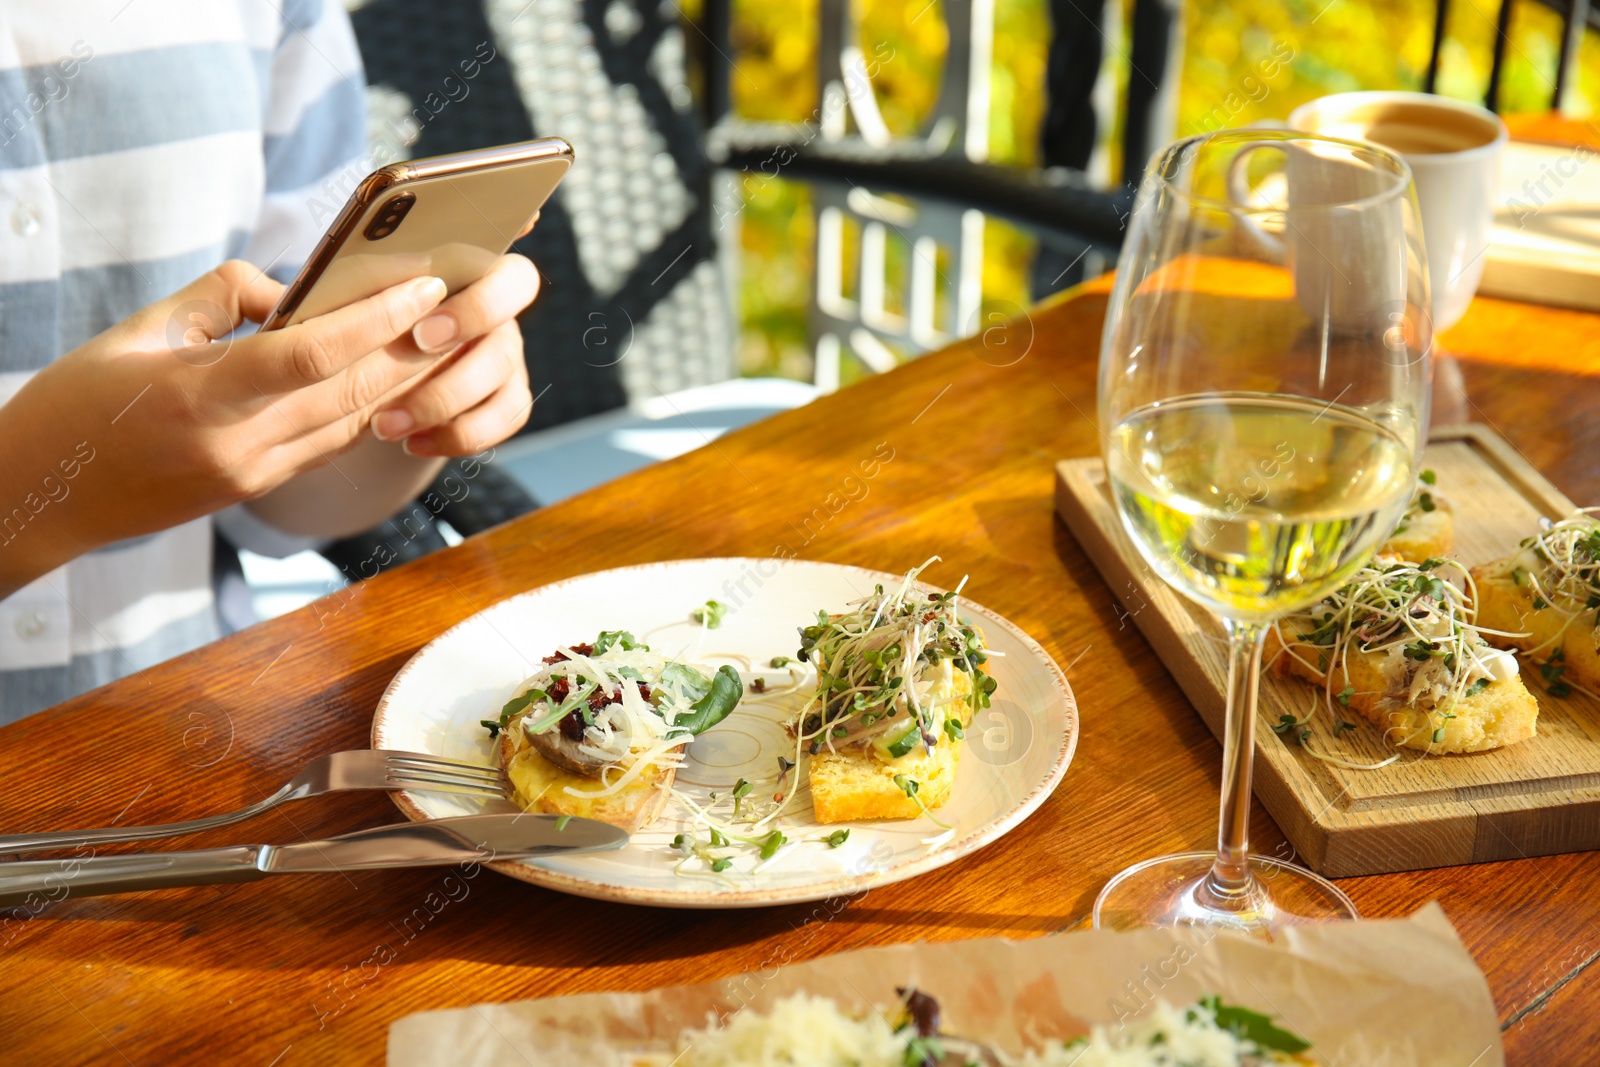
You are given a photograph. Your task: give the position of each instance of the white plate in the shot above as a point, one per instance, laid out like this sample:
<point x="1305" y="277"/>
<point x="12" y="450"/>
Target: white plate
<point x="1016" y="752"/>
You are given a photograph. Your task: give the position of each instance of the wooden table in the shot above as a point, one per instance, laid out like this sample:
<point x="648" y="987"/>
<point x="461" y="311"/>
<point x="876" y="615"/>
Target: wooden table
<point x="311" y="970"/>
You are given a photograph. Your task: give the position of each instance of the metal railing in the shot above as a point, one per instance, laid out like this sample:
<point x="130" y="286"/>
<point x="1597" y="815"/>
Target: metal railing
<point x="1576" y="16"/>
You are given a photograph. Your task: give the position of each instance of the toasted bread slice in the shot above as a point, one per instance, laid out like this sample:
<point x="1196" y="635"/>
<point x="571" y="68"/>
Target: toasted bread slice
<point x="857" y="783"/>
<point x="1423" y="534"/>
<point x="541" y="786"/>
<point x="1501" y="714"/>
<point x="1504" y="605"/>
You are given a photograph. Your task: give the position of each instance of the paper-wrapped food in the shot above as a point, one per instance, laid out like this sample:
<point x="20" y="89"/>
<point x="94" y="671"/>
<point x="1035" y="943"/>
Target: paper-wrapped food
<point x="1351" y="990"/>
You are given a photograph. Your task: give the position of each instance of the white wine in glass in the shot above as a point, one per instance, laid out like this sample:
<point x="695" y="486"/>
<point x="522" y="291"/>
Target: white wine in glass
<point x="1264" y="383"/>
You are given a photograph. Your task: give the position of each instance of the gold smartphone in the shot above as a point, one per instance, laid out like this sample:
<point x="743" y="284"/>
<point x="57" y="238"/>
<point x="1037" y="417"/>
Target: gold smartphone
<point x="450" y="216"/>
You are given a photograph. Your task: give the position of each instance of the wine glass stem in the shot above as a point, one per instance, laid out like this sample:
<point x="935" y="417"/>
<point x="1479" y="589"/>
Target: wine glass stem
<point x="1230" y="879"/>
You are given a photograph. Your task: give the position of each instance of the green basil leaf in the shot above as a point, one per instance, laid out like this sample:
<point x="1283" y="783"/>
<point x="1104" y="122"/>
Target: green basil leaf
<point x="516" y="704"/>
<point x="1253" y="1026"/>
<point x="719" y="701"/>
<point x="681" y="678"/>
<point x="617" y="638"/>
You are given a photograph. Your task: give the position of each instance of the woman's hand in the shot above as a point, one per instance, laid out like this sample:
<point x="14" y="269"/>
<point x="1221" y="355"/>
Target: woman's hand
<point x="181" y="423"/>
<point x="480" y="396"/>
<point x="474" y="395"/>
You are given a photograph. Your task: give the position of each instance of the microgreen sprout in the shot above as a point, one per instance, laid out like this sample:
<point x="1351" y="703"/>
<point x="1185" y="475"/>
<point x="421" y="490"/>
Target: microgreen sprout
<point x="688" y="847"/>
<point x="1391" y="607"/>
<point x="1444" y="719"/>
<point x="911" y="788"/>
<point x="838" y="837"/>
<point x="1560" y="568"/>
<point x="1422" y="501"/>
<point x="1296" y="728"/>
<point x="1551" y="671"/>
<point x="879" y="665"/>
<point x="711" y="615"/>
<point x="771" y="843"/>
<point x="722" y="834"/>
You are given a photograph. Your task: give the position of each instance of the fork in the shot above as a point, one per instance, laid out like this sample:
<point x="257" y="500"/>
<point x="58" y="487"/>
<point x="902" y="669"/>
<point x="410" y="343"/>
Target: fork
<point x="333" y="773"/>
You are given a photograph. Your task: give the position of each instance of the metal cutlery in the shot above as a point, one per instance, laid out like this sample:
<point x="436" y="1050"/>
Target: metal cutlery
<point x="436" y="843"/>
<point x="336" y="772"/>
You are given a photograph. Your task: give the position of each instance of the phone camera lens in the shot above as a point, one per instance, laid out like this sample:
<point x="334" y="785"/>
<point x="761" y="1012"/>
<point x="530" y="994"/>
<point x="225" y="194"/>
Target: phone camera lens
<point x="389" y="218"/>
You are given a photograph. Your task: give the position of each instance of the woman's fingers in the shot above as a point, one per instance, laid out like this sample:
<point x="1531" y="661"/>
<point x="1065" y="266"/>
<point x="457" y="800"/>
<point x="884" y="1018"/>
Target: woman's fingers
<point x="332" y="348"/>
<point x="510" y="286"/>
<point x="474" y="375"/>
<point x="208" y="309"/>
<point x="491" y="422"/>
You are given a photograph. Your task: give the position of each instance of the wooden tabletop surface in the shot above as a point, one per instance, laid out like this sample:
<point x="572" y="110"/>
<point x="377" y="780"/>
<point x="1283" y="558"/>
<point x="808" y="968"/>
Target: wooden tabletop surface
<point x="312" y="969"/>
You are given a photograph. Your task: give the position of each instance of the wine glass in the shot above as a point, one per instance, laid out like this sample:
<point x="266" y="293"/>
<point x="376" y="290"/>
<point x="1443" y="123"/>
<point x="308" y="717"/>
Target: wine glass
<point x="1264" y="390"/>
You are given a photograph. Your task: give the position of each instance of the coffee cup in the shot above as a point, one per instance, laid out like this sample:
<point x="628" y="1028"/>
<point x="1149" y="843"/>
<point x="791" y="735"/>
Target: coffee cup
<point x="1454" y="150"/>
<point x="1334" y="213"/>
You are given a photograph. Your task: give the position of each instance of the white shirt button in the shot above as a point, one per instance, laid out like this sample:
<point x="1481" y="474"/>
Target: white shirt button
<point x="25" y="219"/>
<point x="31" y="624"/>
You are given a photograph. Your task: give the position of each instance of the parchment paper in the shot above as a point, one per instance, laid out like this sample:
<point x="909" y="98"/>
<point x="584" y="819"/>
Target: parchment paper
<point x="1366" y="994"/>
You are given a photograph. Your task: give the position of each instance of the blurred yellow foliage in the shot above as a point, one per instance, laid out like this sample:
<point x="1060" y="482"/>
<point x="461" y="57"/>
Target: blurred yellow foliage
<point x="1346" y="45"/>
<point x="1243" y="61"/>
<point x="775" y="65"/>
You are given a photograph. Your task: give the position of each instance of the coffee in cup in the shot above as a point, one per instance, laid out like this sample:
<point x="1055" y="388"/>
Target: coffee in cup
<point x="1454" y="151"/>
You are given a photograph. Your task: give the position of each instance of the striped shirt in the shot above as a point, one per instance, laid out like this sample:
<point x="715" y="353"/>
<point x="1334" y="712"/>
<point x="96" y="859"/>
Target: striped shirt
<point x="143" y="142"/>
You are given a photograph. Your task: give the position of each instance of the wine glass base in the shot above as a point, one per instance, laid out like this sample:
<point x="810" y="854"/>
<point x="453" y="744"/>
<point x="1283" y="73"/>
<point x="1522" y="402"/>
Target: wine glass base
<point x="1171" y="891"/>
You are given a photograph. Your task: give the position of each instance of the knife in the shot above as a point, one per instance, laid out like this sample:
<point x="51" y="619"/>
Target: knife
<point x="433" y="843"/>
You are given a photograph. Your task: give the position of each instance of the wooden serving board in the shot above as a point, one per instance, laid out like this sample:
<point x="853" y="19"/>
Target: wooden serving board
<point x="1535" y="798"/>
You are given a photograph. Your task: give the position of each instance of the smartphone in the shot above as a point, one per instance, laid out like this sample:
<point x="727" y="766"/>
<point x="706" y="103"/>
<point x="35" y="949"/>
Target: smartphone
<point x="449" y="216"/>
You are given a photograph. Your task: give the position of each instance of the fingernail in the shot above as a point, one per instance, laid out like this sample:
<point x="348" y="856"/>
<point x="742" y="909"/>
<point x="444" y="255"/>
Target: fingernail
<point x="421" y="447"/>
<point x="392" y="425"/>
<point x="435" y="331"/>
<point x="430" y="288"/>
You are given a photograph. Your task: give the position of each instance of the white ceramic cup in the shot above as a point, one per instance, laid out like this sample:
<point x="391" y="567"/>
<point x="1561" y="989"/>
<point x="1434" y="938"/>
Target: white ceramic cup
<point x="1338" y="223"/>
<point x="1454" y="152"/>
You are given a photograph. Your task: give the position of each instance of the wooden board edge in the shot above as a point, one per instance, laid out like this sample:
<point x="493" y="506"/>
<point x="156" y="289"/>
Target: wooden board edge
<point x="1511" y="464"/>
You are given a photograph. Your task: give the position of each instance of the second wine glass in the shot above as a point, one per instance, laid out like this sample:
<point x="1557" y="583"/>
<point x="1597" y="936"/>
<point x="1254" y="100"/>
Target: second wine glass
<point x="1264" y="389"/>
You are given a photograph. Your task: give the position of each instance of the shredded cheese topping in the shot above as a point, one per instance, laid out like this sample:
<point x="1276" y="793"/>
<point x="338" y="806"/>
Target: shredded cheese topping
<point x="814" y="1031"/>
<point x="628" y="732"/>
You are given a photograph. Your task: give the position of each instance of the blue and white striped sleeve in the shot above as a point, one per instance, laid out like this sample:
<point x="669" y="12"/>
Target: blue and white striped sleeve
<point x="315" y="133"/>
<point x="315" y="147"/>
